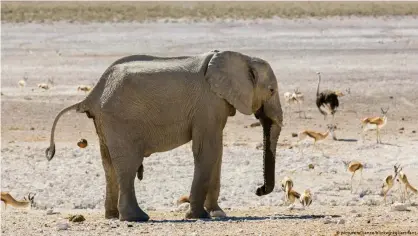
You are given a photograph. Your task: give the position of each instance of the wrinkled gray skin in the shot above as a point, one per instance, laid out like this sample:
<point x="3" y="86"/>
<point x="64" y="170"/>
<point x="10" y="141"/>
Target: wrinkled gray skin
<point x="144" y="104"/>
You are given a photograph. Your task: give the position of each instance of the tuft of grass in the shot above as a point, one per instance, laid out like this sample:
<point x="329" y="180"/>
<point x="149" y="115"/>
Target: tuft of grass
<point x="150" y="11"/>
<point x="14" y="128"/>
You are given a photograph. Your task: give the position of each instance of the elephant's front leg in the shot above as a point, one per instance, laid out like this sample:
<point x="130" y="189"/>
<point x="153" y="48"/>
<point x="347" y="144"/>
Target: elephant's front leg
<point x="211" y="202"/>
<point x="206" y="148"/>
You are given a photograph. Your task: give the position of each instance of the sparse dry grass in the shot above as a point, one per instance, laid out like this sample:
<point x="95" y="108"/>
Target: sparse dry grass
<point x="141" y="11"/>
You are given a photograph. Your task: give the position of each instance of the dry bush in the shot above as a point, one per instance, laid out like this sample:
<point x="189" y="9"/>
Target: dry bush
<point x="142" y="11"/>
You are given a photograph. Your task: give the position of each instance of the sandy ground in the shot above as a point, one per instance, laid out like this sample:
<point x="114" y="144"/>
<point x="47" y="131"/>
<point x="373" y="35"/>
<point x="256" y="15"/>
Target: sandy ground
<point x="376" y="58"/>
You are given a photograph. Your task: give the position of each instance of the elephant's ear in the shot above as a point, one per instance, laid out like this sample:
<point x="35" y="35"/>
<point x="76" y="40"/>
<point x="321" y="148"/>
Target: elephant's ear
<point x="231" y="77"/>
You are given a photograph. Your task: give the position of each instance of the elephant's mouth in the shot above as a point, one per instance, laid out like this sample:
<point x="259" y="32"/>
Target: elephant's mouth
<point x="271" y="133"/>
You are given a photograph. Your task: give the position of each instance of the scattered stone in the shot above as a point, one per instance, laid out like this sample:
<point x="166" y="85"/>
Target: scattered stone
<point x="294" y="135"/>
<point x="353" y="211"/>
<point x="327" y="220"/>
<point x="333" y="203"/>
<point x="150" y="208"/>
<point x="413" y="131"/>
<point x="399" y="207"/>
<point x="391" y="97"/>
<point x="358" y="215"/>
<point x="255" y="124"/>
<point x="32" y="128"/>
<point x="62" y="226"/>
<point x="403" y="118"/>
<point x="368" y="221"/>
<point x="49" y="212"/>
<point x="130" y="225"/>
<point x="341" y="222"/>
<point x="113" y="224"/>
<point x="76" y="218"/>
<point x="402" y="128"/>
<point x="259" y="146"/>
<point x="365" y="192"/>
<point x="183" y="207"/>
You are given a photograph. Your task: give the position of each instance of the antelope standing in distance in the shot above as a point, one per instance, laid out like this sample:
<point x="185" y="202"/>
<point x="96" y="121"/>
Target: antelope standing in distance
<point x="317" y="136"/>
<point x="46" y="86"/>
<point x="9" y="200"/>
<point x="375" y="123"/>
<point x="389" y="181"/>
<point x="327" y="99"/>
<point x="405" y="182"/>
<point x="387" y="185"/>
<point x="353" y="167"/>
<point x="22" y="82"/>
<point x="296" y="97"/>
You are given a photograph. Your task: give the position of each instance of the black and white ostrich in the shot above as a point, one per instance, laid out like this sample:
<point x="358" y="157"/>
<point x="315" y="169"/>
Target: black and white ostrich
<point x="327" y="100"/>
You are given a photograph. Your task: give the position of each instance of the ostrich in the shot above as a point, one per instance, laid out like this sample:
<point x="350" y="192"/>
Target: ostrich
<point x="327" y="99"/>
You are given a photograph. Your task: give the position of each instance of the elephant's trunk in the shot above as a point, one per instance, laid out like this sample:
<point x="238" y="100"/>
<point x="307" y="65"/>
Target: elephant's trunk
<point x="271" y="133"/>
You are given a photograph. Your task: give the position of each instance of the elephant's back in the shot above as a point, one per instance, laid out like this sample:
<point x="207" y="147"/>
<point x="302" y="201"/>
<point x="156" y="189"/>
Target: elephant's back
<point x="149" y="94"/>
<point x="149" y="83"/>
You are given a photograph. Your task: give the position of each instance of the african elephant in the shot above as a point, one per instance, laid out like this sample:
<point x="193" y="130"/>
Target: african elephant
<point x="144" y="104"/>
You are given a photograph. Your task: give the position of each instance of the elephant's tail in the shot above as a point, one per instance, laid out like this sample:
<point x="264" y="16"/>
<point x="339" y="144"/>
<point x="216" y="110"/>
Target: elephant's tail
<point x="50" y="152"/>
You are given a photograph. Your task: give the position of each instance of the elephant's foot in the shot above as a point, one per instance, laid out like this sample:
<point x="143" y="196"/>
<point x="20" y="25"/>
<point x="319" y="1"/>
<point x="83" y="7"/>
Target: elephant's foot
<point x="202" y="214"/>
<point x="215" y="211"/>
<point x="136" y="215"/>
<point x="218" y="213"/>
<point x="111" y="214"/>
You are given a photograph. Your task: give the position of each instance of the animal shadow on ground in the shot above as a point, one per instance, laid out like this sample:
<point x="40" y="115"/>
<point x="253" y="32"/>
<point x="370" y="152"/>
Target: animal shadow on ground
<point x="375" y="145"/>
<point x="390" y="144"/>
<point x="249" y="218"/>
<point x="346" y="140"/>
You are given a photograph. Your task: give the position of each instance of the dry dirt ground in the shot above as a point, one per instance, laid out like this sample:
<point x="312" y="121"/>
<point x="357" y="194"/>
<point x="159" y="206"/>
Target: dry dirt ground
<point x="376" y="58"/>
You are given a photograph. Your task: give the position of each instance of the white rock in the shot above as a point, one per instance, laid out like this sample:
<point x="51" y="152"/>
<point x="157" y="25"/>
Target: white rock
<point x="50" y="212"/>
<point x="150" y="208"/>
<point x="341" y="222"/>
<point x="399" y="207"/>
<point x="62" y="225"/>
<point x="327" y="221"/>
<point x="183" y="207"/>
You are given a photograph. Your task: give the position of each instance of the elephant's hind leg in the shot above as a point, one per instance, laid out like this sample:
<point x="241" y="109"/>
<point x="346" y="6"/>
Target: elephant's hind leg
<point x="126" y="159"/>
<point x="112" y="187"/>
